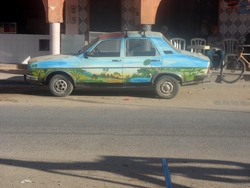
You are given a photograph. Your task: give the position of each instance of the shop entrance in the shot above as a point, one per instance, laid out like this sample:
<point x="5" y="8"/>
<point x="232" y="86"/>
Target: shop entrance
<point x="28" y="16"/>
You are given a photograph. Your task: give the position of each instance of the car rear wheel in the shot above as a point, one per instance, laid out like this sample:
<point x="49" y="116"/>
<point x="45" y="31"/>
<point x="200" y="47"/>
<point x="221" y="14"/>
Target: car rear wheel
<point x="60" y="86"/>
<point x="166" y="87"/>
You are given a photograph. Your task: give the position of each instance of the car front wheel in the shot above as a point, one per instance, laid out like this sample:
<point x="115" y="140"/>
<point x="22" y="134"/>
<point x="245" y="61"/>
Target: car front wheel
<point x="166" y="87"/>
<point x="60" y="86"/>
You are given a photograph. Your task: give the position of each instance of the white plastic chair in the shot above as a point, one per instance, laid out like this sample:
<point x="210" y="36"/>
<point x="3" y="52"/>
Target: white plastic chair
<point x="198" y="41"/>
<point x="179" y="43"/>
<point x="231" y="48"/>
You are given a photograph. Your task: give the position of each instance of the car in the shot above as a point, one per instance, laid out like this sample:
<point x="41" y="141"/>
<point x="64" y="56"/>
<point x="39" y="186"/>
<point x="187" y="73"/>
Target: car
<point x="121" y="59"/>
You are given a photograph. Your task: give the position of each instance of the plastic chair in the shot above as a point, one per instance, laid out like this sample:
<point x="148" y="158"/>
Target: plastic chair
<point x="198" y="41"/>
<point x="231" y="48"/>
<point x="179" y="43"/>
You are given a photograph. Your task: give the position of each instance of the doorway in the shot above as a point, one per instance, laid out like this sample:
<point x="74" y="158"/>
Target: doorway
<point x="185" y="18"/>
<point x="105" y="16"/>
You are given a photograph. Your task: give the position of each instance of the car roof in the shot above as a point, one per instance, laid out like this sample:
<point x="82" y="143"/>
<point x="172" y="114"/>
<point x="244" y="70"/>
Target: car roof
<point x="129" y="34"/>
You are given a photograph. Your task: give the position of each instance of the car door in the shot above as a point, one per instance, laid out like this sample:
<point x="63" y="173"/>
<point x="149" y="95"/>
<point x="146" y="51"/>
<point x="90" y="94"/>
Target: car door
<point x="141" y="60"/>
<point x="103" y="64"/>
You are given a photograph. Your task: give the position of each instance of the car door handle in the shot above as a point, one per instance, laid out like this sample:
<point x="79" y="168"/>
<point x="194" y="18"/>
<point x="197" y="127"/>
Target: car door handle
<point x="155" y="60"/>
<point x="116" y="60"/>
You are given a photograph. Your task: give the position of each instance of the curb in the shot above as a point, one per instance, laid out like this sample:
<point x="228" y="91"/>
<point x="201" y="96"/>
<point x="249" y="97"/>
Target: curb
<point x="12" y="66"/>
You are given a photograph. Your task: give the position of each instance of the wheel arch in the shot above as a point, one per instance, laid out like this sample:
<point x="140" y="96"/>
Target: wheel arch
<point x="60" y="72"/>
<point x="159" y="75"/>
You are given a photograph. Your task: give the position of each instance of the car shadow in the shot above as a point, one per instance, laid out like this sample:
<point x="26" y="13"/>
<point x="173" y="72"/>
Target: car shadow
<point x="12" y="79"/>
<point x="17" y="85"/>
<point x="143" y="169"/>
<point x="126" y="92"/>
<point x="42" y="90"/>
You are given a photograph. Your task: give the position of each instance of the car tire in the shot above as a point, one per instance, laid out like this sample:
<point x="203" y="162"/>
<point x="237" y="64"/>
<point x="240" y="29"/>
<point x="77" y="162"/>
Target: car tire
<point x="60" y="86"/>
<point x="166" y="87"/>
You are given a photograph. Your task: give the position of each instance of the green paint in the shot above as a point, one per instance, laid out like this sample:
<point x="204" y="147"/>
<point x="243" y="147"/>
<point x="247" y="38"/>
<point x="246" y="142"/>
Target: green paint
<point x="80" y="75"/>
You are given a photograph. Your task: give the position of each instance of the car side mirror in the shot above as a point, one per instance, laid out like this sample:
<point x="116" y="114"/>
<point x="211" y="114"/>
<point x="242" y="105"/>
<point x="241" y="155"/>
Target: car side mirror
<point x="89" y="54"/>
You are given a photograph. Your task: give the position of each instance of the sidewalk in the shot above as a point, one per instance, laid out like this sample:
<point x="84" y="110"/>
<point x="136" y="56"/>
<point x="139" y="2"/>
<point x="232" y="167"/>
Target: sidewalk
<point x="12" y="73"/>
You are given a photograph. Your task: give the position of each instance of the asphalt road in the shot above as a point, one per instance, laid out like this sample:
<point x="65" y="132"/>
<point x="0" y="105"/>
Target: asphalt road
<point x="117" y="138"/>
<point x="122" y="146"/>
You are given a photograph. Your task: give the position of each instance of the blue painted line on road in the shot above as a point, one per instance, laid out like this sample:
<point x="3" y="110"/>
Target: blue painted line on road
<point x="166" y="173"/>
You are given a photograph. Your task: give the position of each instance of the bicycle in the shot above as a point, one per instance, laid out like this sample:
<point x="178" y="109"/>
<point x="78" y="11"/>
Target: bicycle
<point x="233" y="70"/>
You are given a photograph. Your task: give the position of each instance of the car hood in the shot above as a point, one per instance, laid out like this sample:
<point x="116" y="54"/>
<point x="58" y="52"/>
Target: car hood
<point x="49" y="57"/>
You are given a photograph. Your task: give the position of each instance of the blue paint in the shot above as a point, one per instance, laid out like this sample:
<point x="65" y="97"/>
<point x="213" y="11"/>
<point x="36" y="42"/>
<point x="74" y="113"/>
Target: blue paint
<point x="166" y="173"/>
<point x="140" y="80"/>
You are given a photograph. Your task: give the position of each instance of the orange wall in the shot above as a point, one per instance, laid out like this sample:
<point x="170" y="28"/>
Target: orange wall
<point x="148" y="11"/>
<point x="54" y="10"/>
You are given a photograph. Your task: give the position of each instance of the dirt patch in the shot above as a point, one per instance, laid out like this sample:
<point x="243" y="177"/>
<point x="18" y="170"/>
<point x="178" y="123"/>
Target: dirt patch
<point x="7" y="99"/>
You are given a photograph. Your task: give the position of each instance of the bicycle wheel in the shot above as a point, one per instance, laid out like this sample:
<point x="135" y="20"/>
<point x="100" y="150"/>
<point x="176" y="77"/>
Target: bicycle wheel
<point x="232" y="71"/>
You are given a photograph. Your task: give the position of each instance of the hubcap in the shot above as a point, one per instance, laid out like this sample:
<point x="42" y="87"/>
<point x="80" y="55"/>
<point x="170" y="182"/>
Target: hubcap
<point x="60" y="85"/>
<point x="167" y="87"/>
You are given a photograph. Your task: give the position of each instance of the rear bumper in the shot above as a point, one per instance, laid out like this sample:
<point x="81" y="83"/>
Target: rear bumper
<point x="202" y="76"/>
<point x="198" y="78"/>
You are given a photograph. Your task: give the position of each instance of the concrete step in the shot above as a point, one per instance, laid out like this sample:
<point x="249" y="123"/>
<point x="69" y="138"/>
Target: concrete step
<point x="12" y="66"/>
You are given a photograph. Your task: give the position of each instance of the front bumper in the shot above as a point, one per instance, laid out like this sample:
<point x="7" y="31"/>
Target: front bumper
<point x="28" y="78"/>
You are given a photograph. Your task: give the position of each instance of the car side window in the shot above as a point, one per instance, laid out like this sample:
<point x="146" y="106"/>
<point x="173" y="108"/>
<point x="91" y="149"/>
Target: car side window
<point x="107" y="48"/>
<point x="140" y="47"/>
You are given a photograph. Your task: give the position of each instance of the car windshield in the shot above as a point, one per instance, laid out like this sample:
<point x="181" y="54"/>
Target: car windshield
<point x="82" y="50"/>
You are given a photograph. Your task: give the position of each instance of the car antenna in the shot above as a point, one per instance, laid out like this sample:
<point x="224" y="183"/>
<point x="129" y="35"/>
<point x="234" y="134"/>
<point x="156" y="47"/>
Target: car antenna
<point x="142" y="32"/>
<point x="126" y="33"/>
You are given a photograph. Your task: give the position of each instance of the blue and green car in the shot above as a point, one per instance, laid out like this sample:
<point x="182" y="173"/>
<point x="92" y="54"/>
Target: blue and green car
<point x="129" y="59"/>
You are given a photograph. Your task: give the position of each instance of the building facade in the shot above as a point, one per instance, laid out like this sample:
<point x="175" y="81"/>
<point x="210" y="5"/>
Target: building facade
<point x="83" y="19"/>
